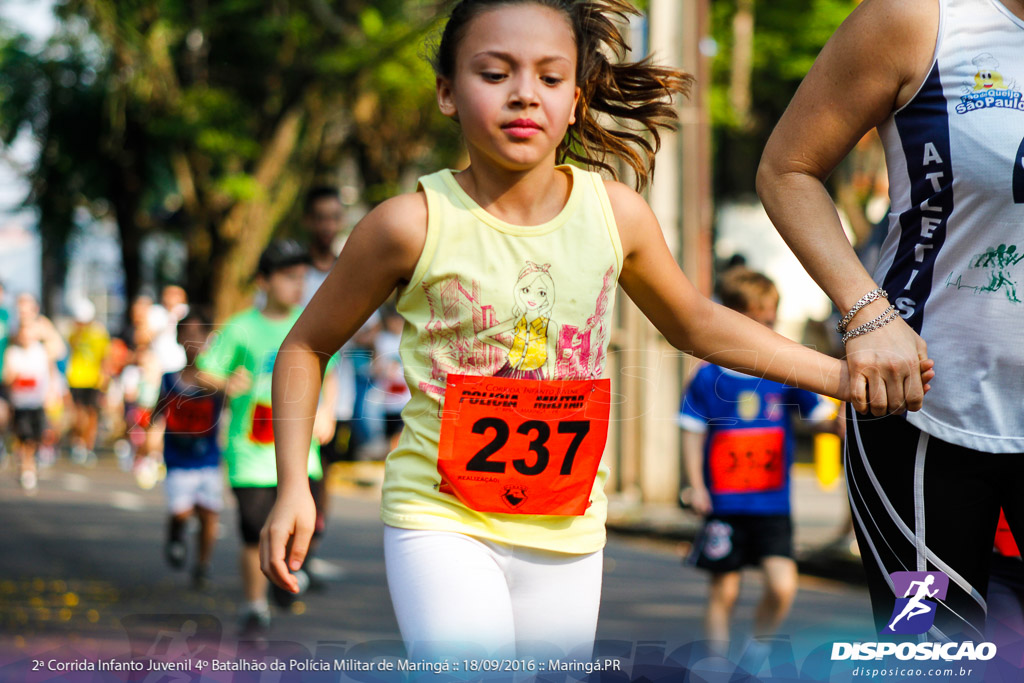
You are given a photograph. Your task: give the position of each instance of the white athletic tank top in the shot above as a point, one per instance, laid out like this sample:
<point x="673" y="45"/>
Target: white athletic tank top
<point x="953" y="261"/>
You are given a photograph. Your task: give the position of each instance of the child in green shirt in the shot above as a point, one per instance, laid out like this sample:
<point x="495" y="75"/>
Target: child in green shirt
<point x="241" y="360"/>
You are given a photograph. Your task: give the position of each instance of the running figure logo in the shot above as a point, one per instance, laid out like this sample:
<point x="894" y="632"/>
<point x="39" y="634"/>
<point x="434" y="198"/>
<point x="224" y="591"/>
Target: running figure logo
<point x="914" y="613"/>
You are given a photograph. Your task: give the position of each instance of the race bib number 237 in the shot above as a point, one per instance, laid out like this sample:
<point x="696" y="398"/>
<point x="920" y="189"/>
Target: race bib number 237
<point x="519" y="446"/>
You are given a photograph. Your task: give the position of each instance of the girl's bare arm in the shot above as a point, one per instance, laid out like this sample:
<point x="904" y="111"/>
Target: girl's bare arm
<point x="380" y="255"/>
<point x="693" y="323"/>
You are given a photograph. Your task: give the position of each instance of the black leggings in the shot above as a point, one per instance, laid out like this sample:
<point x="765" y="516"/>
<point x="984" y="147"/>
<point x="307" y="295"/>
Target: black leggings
<point x="921" y="504"/>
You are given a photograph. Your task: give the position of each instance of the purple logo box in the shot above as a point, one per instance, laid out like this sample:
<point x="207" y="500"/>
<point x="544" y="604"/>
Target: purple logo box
<point x="916" y="593"/>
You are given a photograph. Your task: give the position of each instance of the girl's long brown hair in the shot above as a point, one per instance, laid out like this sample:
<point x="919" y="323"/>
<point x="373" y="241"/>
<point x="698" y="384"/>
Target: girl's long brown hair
<point x="637" y="95"/>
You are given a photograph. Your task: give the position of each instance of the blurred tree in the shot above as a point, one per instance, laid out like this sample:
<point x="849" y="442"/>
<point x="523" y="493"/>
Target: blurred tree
<point x="222" y="113"/>
<point x="764" y="51"/>
<point x="55" y="97"/>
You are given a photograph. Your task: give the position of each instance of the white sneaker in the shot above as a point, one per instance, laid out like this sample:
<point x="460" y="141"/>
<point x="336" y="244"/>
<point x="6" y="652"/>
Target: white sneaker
<point x="29" y="480"/>
<point x="324" y="570"/>
<point x="47" y="456"/>
<point x="123" y="452"/>
<point x="79" y="455"/>
<point x="254" y="623"/>
<point x="147" y="473"/>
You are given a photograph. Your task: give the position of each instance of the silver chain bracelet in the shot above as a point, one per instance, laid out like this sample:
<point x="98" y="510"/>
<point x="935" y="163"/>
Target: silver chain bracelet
<point x="864" y="301"/>
<point x="887" y="317"/>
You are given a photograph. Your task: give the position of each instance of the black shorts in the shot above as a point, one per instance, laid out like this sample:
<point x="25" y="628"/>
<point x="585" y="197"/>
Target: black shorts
<point x="85" y="396"/>
<point x="392" y="424"/>
<point x="254" y="504"/>
<point x="922" y="504"/>
<point x="727" y="543"/>
<point x="29" y="424"/>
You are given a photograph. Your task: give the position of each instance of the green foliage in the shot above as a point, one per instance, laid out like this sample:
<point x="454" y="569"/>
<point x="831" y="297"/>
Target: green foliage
<point x="788" y="35"/>
<point x="137" y="102"/>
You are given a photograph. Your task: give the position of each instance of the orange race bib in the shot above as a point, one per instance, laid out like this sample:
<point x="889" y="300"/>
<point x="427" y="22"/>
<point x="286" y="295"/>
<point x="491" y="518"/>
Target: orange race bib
<point x="24" y="383"/>
<point x="262" y="431"/>
<point x="192" y="415"/>
<point x="747" y="460"/>
<point x="517" y="446"/>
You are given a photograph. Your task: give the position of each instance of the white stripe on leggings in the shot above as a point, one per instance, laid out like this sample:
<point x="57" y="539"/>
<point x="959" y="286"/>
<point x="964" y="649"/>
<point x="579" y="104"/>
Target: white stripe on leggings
<point x="922" y="547"/>
<point x="928" y="554"/>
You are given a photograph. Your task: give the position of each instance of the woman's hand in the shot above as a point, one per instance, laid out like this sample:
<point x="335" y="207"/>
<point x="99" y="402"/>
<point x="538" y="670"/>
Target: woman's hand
<point x="889" y="370"/>
<point x="284" y="540"/>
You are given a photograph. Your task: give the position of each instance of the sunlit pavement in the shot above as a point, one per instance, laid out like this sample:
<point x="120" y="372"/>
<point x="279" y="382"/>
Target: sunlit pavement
<point x="81" y="567"/>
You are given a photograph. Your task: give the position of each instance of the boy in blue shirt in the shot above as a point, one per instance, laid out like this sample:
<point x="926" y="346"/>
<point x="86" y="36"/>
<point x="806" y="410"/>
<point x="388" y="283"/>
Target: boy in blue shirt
<point x="737" y="451"/>
<point x="190" y="414"/>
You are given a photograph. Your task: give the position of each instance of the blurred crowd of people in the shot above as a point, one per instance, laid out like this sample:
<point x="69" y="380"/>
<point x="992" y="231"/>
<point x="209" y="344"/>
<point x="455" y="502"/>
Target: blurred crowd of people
<point x="72" y="386"/>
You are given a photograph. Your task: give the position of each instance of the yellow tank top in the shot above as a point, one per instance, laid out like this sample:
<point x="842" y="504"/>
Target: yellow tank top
<point x="490" y="298"/>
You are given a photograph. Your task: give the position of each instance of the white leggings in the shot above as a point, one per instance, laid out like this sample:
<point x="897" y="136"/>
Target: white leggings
<point x="458" y="596"/>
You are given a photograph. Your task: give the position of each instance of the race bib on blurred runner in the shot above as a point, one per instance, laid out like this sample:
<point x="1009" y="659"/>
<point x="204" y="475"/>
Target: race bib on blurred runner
<point x="262" y="425"/>
<point x="747" y="460"/>
<point x="191" y="415"/>
<point x="516" y="446"/>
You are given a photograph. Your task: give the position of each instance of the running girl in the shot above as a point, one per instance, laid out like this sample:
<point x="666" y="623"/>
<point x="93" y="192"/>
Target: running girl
<point x="512" y="565"/>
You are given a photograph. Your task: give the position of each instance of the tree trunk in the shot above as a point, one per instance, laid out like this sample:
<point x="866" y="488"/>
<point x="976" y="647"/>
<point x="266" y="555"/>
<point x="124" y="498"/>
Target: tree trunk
<point x="249" y="225"/>
<point x="54" y="270"/>
<point x="126" y="196"/>
<point x="742" y="62"/>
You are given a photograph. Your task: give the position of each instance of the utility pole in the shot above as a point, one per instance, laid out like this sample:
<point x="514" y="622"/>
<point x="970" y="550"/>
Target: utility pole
<point x="652" y="373"/>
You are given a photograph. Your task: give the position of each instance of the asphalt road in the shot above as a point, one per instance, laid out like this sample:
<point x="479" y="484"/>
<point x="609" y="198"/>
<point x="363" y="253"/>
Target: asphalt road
<point x="82" y="578"/>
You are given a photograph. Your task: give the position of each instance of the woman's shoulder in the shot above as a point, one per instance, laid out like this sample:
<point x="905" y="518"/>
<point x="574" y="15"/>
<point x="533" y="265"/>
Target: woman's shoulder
<point x="900" y="32"/>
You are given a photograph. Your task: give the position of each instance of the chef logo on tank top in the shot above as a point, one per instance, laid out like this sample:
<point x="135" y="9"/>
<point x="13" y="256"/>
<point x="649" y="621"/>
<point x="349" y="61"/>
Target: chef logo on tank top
<point x="989" y="88"/>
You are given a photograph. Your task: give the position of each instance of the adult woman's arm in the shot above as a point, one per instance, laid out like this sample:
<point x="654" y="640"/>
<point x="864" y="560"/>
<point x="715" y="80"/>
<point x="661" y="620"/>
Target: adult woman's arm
<point x="873" y="65"/>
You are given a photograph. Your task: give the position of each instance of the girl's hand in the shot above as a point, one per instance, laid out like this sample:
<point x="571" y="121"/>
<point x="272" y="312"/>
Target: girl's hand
<point x="284" y="540"/>
<point x="889" y="370"/>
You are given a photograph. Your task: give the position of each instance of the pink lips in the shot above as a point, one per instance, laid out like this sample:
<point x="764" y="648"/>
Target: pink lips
<point x="521" y="128"/>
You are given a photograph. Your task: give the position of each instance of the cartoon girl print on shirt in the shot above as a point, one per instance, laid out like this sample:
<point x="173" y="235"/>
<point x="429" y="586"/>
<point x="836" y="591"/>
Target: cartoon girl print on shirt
<point x="531" y="352"/>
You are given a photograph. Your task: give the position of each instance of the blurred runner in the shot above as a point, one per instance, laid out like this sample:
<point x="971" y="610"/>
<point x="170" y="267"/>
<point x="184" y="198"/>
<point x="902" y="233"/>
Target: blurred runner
<point x="240" y="361"/>
<point x="187" y="414"/>
<point x="322" y="217"/>
<point x="390" y="389"/>
<point x="5" y="407"/>
<point x="86" y="378"/>
<point x="26" y="371"/>
<point x="162" y="321"/>
<point x="119" y="355"/>
<point x="140" y="381"/>
<point x="737" y="453"/>
<point x="40" y="327"/>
